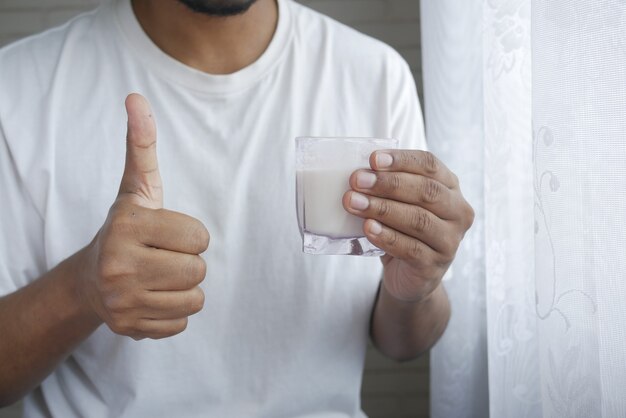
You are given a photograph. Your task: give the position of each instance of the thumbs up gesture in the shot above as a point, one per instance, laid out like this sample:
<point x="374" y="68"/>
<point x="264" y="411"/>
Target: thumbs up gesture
<point x="144" y="266"/>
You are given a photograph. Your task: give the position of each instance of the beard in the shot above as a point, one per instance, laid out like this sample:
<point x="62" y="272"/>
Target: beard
<point x="218" y="7"/>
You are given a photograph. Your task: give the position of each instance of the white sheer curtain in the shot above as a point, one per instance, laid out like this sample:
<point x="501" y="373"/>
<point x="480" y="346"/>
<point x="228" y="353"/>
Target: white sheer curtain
<point x="539" y="286"/>
<point x="452" y="71"/>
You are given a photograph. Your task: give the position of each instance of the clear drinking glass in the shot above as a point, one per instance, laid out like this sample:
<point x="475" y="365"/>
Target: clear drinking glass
<point x="323" y="169"/>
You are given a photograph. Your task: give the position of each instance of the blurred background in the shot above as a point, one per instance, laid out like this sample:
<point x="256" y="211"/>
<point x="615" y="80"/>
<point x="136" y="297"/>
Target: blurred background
<point x="390" y="390"/>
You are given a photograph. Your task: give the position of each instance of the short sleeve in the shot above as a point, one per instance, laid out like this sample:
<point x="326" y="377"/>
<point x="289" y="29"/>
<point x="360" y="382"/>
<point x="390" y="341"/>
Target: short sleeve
<point x="21" y="238"/>
<point x="407" y="122"/>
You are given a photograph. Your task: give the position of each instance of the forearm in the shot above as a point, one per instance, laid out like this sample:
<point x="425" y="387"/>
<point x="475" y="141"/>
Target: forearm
<point x="40" y="325"/>
<point x="404" y="330"/>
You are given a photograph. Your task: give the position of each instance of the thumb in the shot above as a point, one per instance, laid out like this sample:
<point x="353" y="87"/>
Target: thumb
<point x="141" y="180"/>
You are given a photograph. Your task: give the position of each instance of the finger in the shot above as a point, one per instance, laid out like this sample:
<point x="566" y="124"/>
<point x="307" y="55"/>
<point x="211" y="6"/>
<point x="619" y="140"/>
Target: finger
<point x="161" y="228"/>
<point x="164" y="270"/>
<point x="160" y="328"/>
<point x="171" y="304"/>
<point x="416" y="162"/>
<point x="411" y="220"/>
<point x="413" y="189"/>
<point x="175" y="231"/>
<point x="403" y="247"/>
<point x="141" y="179"/>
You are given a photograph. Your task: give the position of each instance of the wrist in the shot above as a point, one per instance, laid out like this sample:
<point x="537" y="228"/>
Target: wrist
<point x="408" y="303"/>
<point x="402" y="329"/>
<point x="80" y="275"/>
<point x="402" y="284"/>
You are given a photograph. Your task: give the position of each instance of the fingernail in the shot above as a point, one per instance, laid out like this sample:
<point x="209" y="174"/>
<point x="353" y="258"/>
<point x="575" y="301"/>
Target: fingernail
<point x="365" y="179"/>
<point x="358" y="201"/>
<point x="383" y="160"/>
<point x="375" y="228"/>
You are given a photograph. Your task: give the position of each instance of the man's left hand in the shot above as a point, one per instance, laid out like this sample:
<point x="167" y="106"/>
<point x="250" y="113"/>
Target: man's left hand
<point x="415" y="212"/>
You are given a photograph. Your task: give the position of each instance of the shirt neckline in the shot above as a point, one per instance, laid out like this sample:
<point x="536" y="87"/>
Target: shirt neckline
<point x="175" y="71"/>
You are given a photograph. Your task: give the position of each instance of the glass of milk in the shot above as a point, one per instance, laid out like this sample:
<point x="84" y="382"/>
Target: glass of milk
<point x="323" y="170"/>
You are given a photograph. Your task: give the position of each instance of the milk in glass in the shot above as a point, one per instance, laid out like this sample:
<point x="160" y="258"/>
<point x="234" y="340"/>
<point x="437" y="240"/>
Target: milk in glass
<point x="324" y="213"/>
<point x="323" y="170"/>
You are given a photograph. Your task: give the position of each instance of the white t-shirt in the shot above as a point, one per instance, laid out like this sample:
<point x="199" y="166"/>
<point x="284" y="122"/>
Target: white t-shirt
<point x="282" y="334"/>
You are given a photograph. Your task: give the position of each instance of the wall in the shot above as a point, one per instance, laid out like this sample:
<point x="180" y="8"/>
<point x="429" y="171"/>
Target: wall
<point x="390" y="390"/>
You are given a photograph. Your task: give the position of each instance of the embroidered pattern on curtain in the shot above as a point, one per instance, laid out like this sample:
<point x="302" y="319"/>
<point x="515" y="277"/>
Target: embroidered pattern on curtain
<point x="539" y="286"/>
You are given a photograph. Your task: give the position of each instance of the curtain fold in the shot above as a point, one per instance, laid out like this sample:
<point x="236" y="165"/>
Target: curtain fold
<point x="486" y="364"/>
<point x="579" y="124"/>
<point x="509" y="212"/>
<point x="538" y="325"/>
<point x="453" y="94"/>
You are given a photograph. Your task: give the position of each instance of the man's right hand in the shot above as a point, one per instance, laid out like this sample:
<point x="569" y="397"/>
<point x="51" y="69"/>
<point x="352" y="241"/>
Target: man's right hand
<point x="140" y="275"/>
<point x="143" y="267"/>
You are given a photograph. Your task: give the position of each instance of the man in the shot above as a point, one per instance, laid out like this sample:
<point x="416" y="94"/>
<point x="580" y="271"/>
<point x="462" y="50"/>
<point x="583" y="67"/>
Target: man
<point x="89" y="260"/>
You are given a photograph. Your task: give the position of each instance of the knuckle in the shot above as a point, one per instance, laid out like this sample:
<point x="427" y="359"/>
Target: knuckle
<point x="442" y="262"/>
<point x="117" y="209"/>
<point x="383" y="208"/>
<point x="119" y="303"/>
<point x="199" y="269"/>
<point x="393" y="182"/>
<point x="405" y="159"/>
<point x="128" y="223"/>
<point x="420" y="221"/>
<point x="110" y="269"/>
<point x="116" y="328"/>
<point x="392" y="238"/>
<point x="139" y="299"/>
<point x="455" y="180"/>
<point x="431" y="191"/>
<point x="196" y="301"/>
<point x="415" y="250"/>
<point x="115" y="304"/>
<point x="173" y="328"/>
<point x="199" y="236"/>
<point x="106" y="267"/>
<point x="180" y="326"/>
<point x="450" y="245"/>
<point x="121" y="327"/>
<point x="195" y="270"/>
<point x="430" y="162"/>
<point x="121" y="220"/>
